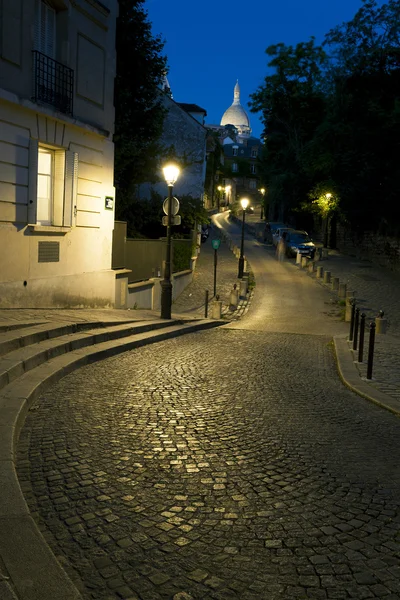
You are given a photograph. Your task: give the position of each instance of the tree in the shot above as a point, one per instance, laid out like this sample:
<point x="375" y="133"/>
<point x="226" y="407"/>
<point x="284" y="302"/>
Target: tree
<point x="360" y="136"/>
<point x="292" y="103"/>
<point x="138" y="108"/>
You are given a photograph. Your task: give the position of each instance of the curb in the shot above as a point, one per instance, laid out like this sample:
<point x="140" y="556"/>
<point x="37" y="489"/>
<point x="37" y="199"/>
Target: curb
<point x="32" y="570"/>
<point x="349" y="375"/>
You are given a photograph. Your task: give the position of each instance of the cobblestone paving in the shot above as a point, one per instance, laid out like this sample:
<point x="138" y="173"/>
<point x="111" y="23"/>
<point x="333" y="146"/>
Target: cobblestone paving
<point x="192" y="298"/>
<point x="209" y="465"/>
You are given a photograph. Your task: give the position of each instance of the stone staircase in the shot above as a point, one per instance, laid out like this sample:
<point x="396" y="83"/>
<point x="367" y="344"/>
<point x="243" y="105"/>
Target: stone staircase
<point x="33" y="356"/>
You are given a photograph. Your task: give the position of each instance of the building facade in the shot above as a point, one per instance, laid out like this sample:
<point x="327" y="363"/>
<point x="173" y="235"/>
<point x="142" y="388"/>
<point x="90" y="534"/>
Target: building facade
<point x="57" y="68"/>
<point x="184" y="133"/>
<point x="239" y="175"/>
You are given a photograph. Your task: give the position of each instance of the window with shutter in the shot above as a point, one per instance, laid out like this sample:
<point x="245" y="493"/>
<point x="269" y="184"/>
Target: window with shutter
<point x="53" y="175"/>
<point x="45" y="27"/>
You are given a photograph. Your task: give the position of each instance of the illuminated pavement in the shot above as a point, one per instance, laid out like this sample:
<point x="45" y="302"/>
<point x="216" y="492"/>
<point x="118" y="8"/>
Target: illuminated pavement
<point x="231" y="463"/>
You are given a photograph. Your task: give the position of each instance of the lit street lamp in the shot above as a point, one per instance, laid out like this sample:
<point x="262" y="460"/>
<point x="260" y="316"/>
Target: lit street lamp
<point x="171" y="173"/>
<point x="219" y="188"/>
<point x="244" y="203"/>
<point x="262" y="192"/>
<point x="328" y="197"/>
<point x="227" y="193"/>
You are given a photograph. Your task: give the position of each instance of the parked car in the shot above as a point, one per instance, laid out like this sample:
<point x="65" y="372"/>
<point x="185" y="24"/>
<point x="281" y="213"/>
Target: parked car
<point x="270" y="228"/>
<point x="299" y="241"/>
<point x="277" y="234"/>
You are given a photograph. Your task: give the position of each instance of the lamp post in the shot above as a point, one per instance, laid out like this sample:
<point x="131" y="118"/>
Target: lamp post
<point x="262" y="192"/>
<point x="227" y="193"/>
<point x="171" y="173"/>
<point x="219" y="188"/>
<point x="328" y="197"/>
<point x="244" y="203"/>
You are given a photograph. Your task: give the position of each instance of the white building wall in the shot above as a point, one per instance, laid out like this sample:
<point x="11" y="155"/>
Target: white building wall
<point x="82" y="275"/>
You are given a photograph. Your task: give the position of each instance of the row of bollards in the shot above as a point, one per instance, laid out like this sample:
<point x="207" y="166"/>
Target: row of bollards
<point x="352" y="313"/>
<point x="357" y="333"/>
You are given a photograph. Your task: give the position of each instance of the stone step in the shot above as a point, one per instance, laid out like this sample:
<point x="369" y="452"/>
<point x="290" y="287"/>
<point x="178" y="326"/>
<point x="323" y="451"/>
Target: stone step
<point x="14" y="338"/>
<point x="23" y="359"/>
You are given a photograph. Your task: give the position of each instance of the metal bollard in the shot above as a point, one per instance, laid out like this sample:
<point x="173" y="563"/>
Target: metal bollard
<point x="355" y="334"/>
<point x="361" y="342"/>
<point x="311" y="267"/>
<point x="320" y="272"/>
<point x="304" y="262"/>
<point x="327" y="277"/>
<point x="353" y="311"/>
<point x="371" y="349"/>
<point x="206" y="305"/>
<point x="298" y="258"/>
<point x="243" y="288"/>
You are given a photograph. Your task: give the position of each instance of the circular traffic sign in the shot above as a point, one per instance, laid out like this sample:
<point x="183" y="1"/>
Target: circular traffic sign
<point x="174" y="206"/>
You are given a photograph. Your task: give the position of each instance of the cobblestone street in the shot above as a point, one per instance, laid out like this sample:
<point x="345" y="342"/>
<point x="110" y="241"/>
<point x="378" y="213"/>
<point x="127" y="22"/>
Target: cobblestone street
<point x="209" y="467"/>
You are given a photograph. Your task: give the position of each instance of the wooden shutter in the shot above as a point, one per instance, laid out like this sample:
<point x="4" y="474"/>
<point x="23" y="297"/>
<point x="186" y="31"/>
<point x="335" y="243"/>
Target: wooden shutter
<point x="71" y="182"/>
<point x="33" y="181"/>
<point x="58" y="187"/>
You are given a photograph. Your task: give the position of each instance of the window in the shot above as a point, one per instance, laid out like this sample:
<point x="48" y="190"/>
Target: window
<point x="252" y="184"/>
<point x="253" y="169"/>
<point x="45" y="27"/>
<point x="254" y="153"/>
<point x="234" y="167"/>
<point x="234" y="151"/>
<point x="52" y="185"/>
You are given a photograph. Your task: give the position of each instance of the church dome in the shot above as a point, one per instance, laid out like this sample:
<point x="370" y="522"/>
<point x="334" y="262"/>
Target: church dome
<point x="236" y="115"/>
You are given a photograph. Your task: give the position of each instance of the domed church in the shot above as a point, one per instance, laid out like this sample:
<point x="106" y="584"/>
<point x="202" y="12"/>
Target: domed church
<point x="236" y="115"/>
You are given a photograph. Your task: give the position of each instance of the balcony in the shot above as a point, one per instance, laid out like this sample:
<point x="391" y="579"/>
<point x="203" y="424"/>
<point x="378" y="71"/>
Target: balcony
<point x="53" y="83"/>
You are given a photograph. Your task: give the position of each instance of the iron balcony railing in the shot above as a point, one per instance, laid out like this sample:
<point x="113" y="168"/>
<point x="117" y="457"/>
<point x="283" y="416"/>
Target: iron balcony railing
<point x="53" y="83"/>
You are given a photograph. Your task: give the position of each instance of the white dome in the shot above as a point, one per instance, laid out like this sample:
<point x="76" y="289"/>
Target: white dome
<point x="236" y="115"/>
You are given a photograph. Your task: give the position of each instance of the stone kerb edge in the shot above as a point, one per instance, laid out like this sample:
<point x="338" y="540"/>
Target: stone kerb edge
<point x="350" y="376"/>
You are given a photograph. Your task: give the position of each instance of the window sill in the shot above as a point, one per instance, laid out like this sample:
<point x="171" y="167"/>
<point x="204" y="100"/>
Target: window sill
<point x="50" y="229"/>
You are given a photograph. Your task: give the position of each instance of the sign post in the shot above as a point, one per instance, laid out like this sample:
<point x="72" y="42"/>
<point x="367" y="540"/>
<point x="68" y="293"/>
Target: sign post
<point x="215" y="244"/>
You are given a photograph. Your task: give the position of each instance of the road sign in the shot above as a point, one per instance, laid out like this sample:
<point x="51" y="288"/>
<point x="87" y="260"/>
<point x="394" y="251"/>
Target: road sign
<point x="174" y="206"/>
<point x="215" y="244"/>
<point x="174" y="221"/>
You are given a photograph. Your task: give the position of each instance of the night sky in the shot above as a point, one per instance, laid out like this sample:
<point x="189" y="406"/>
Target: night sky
<point x="212" y="43"/>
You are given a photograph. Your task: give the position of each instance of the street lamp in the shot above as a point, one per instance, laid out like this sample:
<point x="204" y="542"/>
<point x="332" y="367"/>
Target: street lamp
<point x="244" y="203"/>
<point x="328" y="197"/>
<point x="171" y="173"/>
<point x="262" y="192"/>
<point x="227" y="193"/>
<point x="219" y="188"/>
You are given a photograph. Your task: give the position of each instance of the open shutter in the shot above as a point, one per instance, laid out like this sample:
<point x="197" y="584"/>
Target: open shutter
<point x="58" y="187"/>
<point x="33" y="181"/>
<point x="71" y="182"/>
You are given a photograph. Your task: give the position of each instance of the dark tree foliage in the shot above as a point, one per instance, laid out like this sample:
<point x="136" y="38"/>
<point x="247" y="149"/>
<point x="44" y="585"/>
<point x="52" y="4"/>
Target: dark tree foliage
<point x="138" y="110"/>
<point x="332" y="121"/>
<point x="292" y="103"/>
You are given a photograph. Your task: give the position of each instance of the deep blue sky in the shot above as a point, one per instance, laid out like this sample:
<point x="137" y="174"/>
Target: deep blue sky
<point x="211" y="43"/>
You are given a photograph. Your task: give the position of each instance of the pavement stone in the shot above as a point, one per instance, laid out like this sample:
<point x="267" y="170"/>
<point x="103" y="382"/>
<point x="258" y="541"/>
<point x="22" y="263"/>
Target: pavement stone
<point x="190" y="470"/>
<point x="175" y="492"/>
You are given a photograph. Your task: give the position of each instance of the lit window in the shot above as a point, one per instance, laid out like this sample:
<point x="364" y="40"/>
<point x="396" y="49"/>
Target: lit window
<point x="45" y="186"/>
<point x="52" y="185"/>
<point x="234" y="167"/>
